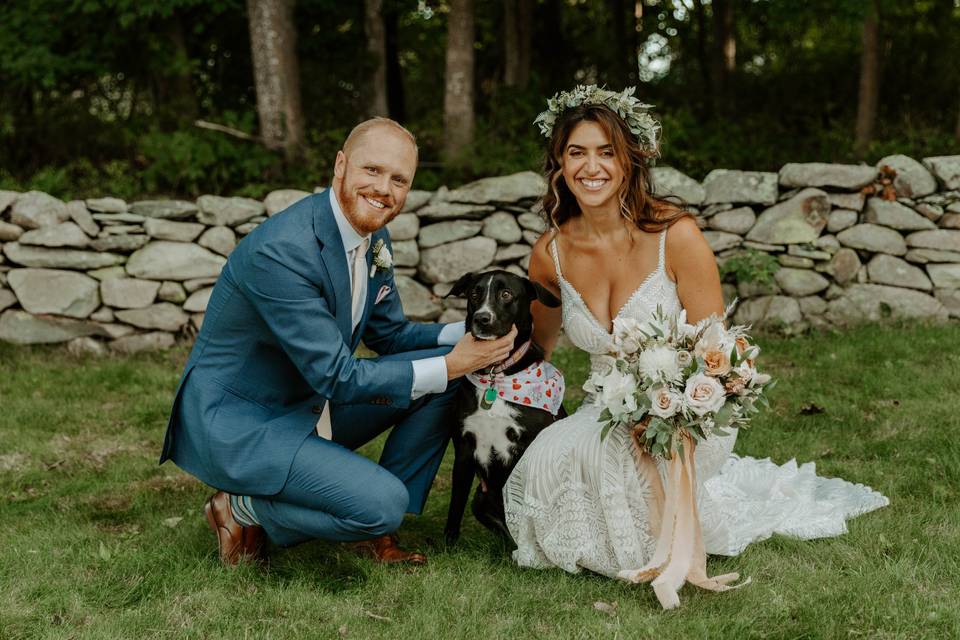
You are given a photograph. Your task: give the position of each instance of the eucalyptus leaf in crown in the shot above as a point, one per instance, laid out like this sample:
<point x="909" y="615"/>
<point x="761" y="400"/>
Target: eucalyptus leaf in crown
<point x="624" y="104"/>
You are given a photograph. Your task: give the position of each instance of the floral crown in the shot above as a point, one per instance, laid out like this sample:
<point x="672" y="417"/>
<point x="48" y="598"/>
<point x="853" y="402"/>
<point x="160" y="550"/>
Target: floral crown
<point x="624" y="104"/>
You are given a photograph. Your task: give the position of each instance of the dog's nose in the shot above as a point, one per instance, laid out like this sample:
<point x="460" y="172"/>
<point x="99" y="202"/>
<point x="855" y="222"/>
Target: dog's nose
<point x="482" y="318"/>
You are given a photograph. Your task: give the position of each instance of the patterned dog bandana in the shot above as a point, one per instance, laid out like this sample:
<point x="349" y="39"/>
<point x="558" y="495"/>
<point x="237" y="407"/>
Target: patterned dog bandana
<point x="540" y="385"/>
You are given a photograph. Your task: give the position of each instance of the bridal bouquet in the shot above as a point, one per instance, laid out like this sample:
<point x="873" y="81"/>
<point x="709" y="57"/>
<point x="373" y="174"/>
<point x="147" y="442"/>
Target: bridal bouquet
<point x="679" y="379"/>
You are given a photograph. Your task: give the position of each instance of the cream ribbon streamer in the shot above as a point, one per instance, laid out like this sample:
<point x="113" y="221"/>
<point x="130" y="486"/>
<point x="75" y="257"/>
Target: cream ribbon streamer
<point x="679" y="555"/>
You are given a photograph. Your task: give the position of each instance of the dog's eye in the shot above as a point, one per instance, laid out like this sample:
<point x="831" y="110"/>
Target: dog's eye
<point x="506" y="296"/>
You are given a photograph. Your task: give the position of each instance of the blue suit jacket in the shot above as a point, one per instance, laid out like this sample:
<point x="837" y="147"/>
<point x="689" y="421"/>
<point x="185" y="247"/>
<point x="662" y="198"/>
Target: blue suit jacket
<point x="276" y="343"/>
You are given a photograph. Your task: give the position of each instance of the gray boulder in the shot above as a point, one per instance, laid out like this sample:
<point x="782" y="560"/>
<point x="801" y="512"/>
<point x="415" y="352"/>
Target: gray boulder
<point x="162" y="260"/>
<point x="946" y="169"/>
<point x="218" y="211"/>
<point x="35" y="209"/>
<point x="220" y="240"/>
<point x="449" y="211"/>
<point x="404" y="227"/>
<point x="42" y="257"/>
<point x="122" y="243"/>
<point x="415" y="200"/>
<point x="166" y="209"/>
<point x="738" y="221"/>
<point x="418" y="303"/>
<point x="79" y="213"/>
<point x="895" y="215"/>
<point x="821" y="174"/>
<point x="21" y="327"/>
<point x="942" y="239"/>
<point x="162" y="229"/>
<point x="7" y="198"/>
<point x="172" y="292"/>
<point x="161" y="315"/>
<point x="912" y="179"/>
<point x="506" y="189"/>
<point x="800" y="282"/>
<point x="406" y="253"/>
<point x="502" y="227"/>
<point x="945" y="276"/>
<point x="198" y="283"/>
<point x="86" y="346"/>
<point x="140" y="342"/>
<point x="511" y="252"/>
<point x="103" y="314"/>
<point x="128" y="293"/>
<point x="440" y="233"/>
<point x="9" y="232"/>
<point x="448" y="262"/>
<point x="852" y="201"/>
<point x="950" y="299"/>
<point x="198" y="301"/>
<point x="532" y="222"/>
<point x="106" y="205"/>
<point x="875" y="302"/>
<point x="7" y="298"/>
<point x="62" y="293"/>
<point x="744" y="187"/>
<point x="277" y="201"/>
<point x="841" y="219"/>
<point x="65" y="234"/>
<point x="844" y="265"/>
<point x="721" y="241"/>
<point x="797" y="220"/>
<point x="884" y="269"/>
<point x="768" y="311"/>
<point x="923" y="256"/>
<point x="667" y="181"/>
<point x="871" y="237"/>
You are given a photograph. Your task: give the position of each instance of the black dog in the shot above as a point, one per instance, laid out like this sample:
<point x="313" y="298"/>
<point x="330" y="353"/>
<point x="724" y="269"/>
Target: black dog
<point x="492" y="430"/>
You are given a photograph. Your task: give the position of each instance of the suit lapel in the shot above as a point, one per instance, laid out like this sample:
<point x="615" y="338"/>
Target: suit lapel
<point x="335" y="261"/>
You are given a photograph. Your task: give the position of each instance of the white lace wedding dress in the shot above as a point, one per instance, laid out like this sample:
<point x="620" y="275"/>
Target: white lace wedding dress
<point x="575" y="501"/>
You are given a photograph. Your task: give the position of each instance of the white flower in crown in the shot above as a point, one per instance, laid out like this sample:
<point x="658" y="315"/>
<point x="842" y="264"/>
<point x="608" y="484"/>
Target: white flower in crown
<point x="382" y="260"/>
<point x="624" y="104"/>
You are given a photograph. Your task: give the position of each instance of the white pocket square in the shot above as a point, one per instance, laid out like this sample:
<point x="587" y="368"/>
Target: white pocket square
<point x="383" y="293"/>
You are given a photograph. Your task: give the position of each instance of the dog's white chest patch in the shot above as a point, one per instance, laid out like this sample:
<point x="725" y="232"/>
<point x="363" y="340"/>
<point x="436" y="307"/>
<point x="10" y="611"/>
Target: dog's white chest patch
<point x="490" y="427"/>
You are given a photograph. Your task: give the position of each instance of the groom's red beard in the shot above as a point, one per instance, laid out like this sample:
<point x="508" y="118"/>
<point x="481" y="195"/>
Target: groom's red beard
<point x="364" y="218"/>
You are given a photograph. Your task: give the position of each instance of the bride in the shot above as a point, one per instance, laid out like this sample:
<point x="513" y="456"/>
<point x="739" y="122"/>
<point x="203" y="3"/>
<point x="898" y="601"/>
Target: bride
<point x="577" y="501"/>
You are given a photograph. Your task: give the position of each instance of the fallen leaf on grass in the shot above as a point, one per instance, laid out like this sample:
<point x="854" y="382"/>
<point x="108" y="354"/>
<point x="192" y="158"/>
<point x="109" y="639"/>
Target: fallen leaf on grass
<point x="606" y="607"/>
<point x="370" y="614"/>
<point x="342" y="631"/>
<point x="103" y="552"/>
<point x="172" y="522"/>
<point x="811" y="409"/>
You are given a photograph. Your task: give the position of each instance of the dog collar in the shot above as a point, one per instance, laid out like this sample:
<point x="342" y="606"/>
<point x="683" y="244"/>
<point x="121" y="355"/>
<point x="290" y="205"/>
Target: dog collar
<point x="512" y="360"/>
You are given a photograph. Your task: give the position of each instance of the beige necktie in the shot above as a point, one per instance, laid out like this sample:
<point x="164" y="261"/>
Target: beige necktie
<point x="358" y="290"/>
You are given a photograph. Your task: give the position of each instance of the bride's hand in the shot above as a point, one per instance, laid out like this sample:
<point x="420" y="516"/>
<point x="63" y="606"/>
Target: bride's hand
<point x="470" y="354"/>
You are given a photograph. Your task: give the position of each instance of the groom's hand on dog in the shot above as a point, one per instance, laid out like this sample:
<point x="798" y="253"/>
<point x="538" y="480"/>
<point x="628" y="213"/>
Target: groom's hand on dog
<point x="470" y="354"/>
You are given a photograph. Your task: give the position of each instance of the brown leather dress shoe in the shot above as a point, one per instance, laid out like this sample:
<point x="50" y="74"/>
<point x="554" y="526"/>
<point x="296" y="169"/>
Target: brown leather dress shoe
<point x="234" y="541"/>
<point x="385" y="549"/>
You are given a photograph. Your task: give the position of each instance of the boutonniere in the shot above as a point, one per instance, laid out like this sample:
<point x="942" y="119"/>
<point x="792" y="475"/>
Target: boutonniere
<point x="382" y="260"/>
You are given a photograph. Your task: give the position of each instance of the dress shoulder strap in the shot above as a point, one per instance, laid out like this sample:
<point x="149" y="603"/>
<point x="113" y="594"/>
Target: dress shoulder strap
<point x="662" y="255"/>
<point x="555" y="252"/>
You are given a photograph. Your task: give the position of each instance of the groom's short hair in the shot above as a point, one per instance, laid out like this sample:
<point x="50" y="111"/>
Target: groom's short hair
<point x="367" y="126"/>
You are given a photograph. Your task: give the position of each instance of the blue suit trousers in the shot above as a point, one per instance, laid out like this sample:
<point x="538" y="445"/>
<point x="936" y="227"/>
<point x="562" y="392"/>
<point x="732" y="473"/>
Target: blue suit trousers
<point x="334" y="493"/>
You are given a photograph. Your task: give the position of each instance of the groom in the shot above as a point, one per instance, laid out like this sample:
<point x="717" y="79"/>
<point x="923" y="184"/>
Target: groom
<point x="272" y="401"/>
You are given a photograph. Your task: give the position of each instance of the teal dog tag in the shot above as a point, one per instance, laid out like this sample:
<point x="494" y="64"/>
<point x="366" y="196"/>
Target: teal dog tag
<point x="489" y="396"/>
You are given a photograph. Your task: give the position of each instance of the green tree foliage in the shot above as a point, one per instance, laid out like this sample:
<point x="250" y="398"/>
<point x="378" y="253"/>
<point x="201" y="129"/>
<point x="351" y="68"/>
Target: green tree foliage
<point x="101" y="96"/>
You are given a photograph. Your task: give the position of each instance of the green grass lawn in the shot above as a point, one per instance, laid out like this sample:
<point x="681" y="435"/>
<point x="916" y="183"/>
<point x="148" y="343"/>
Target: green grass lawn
<point x="97" y="541"/>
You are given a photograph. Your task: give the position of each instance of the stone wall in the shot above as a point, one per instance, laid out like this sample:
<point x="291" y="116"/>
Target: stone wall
<point x="853" y="243"/>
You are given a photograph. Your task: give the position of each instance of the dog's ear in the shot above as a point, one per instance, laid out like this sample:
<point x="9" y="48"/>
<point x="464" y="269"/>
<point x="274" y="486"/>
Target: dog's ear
<point x="539" y="293"/>
<point x="462" y="285"/>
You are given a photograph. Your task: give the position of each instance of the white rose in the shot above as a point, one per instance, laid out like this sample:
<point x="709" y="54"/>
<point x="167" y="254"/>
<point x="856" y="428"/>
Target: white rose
<point x="664" y="401"/>
<point x="384" y="257"/>
<point x="617" y="392"/>
<point x="703" y="394"/>
<point x="659" y="364"/>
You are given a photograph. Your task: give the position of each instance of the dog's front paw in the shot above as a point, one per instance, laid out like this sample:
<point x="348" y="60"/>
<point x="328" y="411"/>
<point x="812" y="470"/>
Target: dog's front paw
<point x="450" y="536"/>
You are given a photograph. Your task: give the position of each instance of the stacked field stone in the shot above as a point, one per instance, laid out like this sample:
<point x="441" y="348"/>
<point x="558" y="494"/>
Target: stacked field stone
<point x="135" y="276"/>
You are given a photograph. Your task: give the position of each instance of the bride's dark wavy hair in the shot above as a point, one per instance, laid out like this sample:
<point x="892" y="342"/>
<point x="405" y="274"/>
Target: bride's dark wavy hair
<point x="637" y="204"/>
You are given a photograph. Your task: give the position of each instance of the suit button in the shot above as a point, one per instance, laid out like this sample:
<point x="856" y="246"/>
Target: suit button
<point x="317" y="408"/>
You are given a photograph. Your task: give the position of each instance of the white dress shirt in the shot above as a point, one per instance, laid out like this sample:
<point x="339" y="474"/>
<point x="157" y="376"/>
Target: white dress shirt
<point x="429" y="374"/>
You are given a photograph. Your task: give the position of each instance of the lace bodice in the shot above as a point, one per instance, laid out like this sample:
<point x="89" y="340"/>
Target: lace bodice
<point x="582" y="327"/>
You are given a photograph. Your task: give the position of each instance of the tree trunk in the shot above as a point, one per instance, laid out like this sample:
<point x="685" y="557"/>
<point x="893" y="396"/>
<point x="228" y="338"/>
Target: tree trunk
<point x="702" y="60"/>
<point x="396" y="101"/>
<point x="869" y="81"/>
<point x="725" y="55"/>
<point x="517" y="27"/>
<point x="377" y="51"/>
<point x="276" y="74"/>
<point x="458" y="115"/>
<point x="175" y="100"/>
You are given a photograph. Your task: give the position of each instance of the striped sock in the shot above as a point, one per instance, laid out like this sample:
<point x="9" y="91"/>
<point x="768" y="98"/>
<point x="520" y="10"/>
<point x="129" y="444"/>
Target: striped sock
<point x="242" y="507"/>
